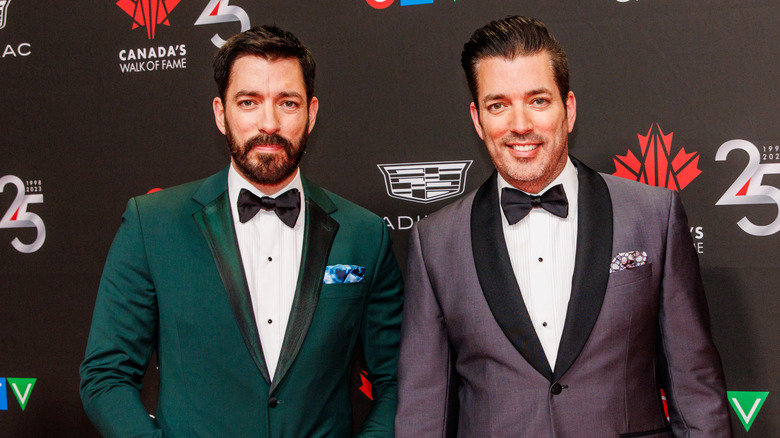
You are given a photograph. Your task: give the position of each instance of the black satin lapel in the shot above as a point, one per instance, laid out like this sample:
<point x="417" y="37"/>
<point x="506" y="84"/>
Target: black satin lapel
<point x="318" y="238"/>
<point x="494" y="270"/>
<point x="591" y="265"/>
<point x="216" y="225"/>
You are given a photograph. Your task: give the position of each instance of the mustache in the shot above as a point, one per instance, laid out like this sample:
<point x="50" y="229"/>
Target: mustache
<point x="529" y="137"/>
<point x="265" y="139"/>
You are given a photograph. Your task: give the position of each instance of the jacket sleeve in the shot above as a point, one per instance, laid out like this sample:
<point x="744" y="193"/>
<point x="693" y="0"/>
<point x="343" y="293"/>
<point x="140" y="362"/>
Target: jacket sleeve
<point x="425" y="369"/>
<point x="122" y="337"/>
<point x="380" y="338"/>
<point x="692" y="375"/>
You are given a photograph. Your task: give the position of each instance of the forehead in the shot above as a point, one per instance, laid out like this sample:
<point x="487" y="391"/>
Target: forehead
<point x="501" y="75"/>
<point x="251" y="72"/>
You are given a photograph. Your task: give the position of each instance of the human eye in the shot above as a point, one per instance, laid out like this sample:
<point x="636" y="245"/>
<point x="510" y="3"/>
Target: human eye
<point x="540" y="102"/>
<point x="495" y="107"/>
<point x="245" y="103"/>
<point x="290" y="104"/>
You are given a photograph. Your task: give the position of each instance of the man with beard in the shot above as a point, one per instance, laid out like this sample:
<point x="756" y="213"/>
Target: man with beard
<point x="554" y="301"/>
<point x="253" y="286"/>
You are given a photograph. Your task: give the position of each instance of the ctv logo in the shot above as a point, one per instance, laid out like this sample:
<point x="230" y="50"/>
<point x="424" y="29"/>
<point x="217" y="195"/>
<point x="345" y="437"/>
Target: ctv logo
<point x="20" y="387"/>
<point x="746" y="404"/>
<point x="381" y="4"/>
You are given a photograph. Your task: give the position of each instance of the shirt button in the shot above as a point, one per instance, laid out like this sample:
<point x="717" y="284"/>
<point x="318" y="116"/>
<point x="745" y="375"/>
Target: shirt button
<point x="270" y="259"/>
<point x="541" y="260"/>
<point x="544" y="324"/>
<point x="270" y="321"/>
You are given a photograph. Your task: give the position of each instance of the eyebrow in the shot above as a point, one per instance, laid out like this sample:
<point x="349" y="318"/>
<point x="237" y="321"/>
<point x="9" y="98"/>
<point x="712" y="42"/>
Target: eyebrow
<point x="290" y="94"/>
<point x="283" y="94"/>
<point x="529" y="93"/>
<point x="241" y="93"/>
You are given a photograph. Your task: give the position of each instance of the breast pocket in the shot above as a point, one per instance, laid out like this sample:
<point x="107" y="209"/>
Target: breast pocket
<point x="341" y="291"/>
<point x="628" y="276"/>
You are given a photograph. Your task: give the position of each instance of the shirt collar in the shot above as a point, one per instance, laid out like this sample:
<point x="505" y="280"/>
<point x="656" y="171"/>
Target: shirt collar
<point x="568" y="178"/>
<point x="236" y="182"/>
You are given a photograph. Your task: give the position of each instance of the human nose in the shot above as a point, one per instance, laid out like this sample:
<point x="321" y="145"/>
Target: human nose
<point x="521" y="122"/>
<point x="268" y="122"/>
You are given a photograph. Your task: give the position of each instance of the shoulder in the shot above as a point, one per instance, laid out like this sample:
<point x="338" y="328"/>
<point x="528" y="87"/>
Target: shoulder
<point x="449" y="216"/>
<point x="171" y="199"/>
<point x="351" y="209"/>
<point x="344" y="211"/>
<point x="623" y="190"/>
<point x="171" y="194"/>
<point x="182" y="198"/>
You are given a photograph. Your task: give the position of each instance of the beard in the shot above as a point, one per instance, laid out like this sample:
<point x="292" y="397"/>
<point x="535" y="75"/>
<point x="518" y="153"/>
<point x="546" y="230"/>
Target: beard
<point x="532" y="174"/>
<point x="264" y="168"/>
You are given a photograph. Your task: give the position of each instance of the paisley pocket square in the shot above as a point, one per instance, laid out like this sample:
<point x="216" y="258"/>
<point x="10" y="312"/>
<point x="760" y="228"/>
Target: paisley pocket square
<point x="336" y="274"/>
<point x="627" y="260"/>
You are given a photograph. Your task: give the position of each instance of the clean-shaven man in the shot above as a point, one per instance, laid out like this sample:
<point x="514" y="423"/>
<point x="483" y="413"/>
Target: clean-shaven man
<point x="254" y="285"/>
<point x="554" y="301"/>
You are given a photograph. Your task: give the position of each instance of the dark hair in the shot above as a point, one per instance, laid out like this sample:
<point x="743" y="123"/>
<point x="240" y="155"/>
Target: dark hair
<point x="509" y="38"/>
<point x="268" y="42"/>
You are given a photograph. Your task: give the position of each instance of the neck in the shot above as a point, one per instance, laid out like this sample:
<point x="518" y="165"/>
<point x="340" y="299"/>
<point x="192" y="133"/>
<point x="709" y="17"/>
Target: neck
<point x="532" y="187"/>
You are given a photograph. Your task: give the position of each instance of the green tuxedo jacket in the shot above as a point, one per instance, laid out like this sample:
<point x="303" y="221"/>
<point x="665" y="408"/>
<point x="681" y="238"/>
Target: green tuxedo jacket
<point x="174" y="282"/>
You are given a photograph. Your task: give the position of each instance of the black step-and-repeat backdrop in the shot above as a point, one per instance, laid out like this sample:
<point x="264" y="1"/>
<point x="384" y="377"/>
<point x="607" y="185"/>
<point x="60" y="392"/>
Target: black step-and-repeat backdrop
<point x="100" y="103"/>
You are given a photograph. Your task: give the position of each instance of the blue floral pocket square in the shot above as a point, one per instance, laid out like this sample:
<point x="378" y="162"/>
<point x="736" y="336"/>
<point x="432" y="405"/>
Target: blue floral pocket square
<point x="627" y="260"/>
<point x="336" y="274"/>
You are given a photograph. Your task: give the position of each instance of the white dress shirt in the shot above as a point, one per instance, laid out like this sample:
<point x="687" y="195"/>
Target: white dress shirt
<point x="542" y="249"/>
<point x="271" y="254"/>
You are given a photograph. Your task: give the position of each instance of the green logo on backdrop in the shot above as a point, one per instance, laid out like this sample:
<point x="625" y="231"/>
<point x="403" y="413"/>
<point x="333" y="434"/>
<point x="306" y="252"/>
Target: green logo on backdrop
<point x="746" y="404"/>
<point x="22" y="388"/>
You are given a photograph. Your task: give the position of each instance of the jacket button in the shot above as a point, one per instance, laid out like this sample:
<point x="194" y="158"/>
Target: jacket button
<point x="556" y="388"/>
<point x="273" y="402"/>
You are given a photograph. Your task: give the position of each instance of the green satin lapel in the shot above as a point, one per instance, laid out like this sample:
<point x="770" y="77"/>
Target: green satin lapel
<point x="318" y="238"/>
<point x="216" y="225"/>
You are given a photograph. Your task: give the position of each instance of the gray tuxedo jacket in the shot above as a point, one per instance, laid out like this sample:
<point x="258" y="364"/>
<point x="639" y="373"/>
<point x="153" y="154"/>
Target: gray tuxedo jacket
<point x="472" y="365"/>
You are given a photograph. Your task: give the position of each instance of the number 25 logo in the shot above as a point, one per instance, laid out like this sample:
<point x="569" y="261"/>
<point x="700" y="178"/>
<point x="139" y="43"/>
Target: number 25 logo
<point x="747" y="189"/>
<point x="220" y="11"/>
<point x="17" y="215"/>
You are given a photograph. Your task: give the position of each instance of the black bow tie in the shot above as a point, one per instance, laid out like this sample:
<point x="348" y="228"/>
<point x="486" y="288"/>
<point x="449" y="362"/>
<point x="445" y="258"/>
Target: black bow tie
<point x="517" y="204"/>
<point x="287" y="205"/>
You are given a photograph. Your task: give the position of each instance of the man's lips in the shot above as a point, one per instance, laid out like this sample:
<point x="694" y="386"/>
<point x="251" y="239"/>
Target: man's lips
<point x="267" y="147"/>
<point x="524" y="150"/>
<point x="523" y="147"/>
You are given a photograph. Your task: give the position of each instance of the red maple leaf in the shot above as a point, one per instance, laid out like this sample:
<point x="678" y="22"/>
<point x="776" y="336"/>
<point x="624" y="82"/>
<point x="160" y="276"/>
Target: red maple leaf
<point x="366" y="386"/>
<point x="148" y="13"/>
<point x="657" y="167"/>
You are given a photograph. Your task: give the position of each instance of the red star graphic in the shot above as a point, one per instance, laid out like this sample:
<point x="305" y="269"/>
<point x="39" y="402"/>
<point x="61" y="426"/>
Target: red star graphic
<point x="148" y="13"/>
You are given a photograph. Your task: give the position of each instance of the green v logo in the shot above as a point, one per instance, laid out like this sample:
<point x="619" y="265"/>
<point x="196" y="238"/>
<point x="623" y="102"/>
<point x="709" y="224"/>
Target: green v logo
<point x="746" y="404"/>
<point x="22" y="388"/>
